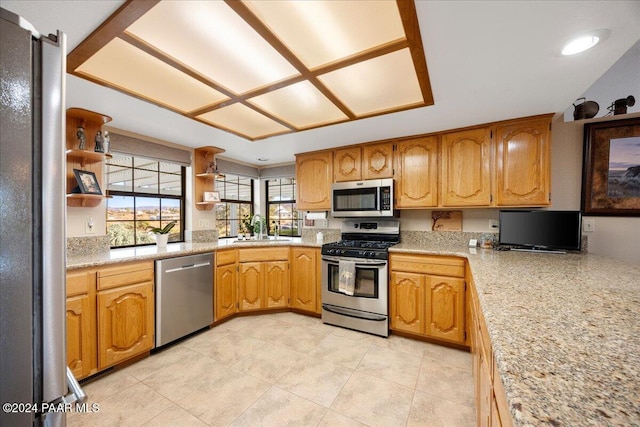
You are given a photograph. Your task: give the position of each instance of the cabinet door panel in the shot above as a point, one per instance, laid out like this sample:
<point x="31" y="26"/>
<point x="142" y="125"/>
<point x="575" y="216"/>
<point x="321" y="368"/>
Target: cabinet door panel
<point x="347" y="164"/>
<point x="522" y="163"/>
<point x="377" y="160"/>
<point x="445" y="301"/>
<point x="226" y="291"/>
<point x="250" y="289"/>
<point x="125" y="323"/>
<point x="80" y="357"/>
<point x="314" y="175"/>
<point x="408" y="302"/>
<point x="417" y="173"/>
<point x="466" y="168"/>
<point x="276" y="283"/>
<point x="304" y="275"/>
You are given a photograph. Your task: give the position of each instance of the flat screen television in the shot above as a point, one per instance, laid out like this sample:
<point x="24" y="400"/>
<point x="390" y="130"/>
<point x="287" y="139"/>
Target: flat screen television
<point x="541" y="230"/>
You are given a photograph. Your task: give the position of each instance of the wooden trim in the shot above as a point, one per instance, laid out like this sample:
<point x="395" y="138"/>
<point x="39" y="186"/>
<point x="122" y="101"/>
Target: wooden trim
<point x="411" y="26"/>
<point x="121" y="19"/>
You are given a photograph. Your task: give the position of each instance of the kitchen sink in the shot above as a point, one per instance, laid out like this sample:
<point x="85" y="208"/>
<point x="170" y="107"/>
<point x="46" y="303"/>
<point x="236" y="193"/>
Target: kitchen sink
<point x="270" y="240"/>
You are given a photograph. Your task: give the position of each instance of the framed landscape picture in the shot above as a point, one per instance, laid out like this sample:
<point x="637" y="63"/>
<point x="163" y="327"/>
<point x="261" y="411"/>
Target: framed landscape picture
<point x="611" y="168"/>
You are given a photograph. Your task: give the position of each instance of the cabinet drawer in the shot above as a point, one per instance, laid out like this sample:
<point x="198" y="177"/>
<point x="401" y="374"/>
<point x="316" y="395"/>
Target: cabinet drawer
<point x="442" y="266"/>
<point x="79" y="282"/>
<point x="226" y="257"/>
<point x="263" y="254"/>
<point x="126" y="274"/>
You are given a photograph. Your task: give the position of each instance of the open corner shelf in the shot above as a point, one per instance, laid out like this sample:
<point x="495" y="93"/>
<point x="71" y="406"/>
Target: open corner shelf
<point x="204" y="181"/>
<point x="84" y="200"/>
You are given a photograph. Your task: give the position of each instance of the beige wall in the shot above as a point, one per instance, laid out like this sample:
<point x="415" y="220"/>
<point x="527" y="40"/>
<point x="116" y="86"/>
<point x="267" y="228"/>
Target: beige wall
<point x="616" y="237"/>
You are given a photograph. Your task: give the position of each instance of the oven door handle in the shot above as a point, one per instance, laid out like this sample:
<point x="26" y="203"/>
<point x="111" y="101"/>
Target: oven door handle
<point x="359" y="262"/>
<point x="353" y="313"/>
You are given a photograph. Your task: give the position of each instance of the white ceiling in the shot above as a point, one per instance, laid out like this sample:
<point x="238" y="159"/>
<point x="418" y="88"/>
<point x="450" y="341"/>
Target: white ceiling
<point x="487" y="60"/>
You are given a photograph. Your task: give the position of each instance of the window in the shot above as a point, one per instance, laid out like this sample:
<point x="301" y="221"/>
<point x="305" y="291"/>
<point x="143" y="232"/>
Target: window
<point x="236" y="203"/>
<point x="281" y="207"/>
<point x="144" y="193"/>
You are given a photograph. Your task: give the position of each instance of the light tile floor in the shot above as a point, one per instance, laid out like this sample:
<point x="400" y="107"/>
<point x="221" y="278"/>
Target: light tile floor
<point x="287" y="369"/>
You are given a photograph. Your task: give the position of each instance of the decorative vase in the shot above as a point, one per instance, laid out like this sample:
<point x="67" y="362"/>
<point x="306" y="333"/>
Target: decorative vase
<point x="161" y="240"/>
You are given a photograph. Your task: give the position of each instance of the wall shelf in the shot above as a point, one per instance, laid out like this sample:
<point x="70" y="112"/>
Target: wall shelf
<point x="84" y="200"/>
<point x="204" y="181"/>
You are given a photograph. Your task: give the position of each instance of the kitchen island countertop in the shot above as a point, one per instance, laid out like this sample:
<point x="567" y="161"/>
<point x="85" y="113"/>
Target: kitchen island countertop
<point x="565" y="332"/>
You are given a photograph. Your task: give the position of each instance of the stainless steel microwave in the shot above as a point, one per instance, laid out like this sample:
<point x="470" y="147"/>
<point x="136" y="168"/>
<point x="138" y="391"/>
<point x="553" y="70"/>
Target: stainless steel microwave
<point x="371" y="198"/>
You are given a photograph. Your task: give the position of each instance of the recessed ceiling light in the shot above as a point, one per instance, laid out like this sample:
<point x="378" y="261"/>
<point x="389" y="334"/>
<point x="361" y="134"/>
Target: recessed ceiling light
<point x="584" y="42"/>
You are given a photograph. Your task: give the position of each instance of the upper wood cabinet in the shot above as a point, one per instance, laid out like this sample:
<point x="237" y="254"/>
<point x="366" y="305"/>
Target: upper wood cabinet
<point x="522" y="153"/>
<point x="366" y="161"/>
<point x="204" y="180"/>
<point x="417" y="173"/>
<point x="347" y="164"/>
<point x="314" y="176"/>
<point x="377" y="161"/>
<point x="466" y="168"/>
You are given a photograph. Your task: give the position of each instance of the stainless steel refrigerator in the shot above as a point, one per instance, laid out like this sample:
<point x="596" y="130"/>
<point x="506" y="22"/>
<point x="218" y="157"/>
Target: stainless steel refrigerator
<point x="33" y="371"/>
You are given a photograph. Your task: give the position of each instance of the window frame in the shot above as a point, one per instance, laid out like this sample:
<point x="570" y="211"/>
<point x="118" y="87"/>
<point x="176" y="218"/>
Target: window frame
<point x="135" y="195"/>
<point x="282" y="202"/>
<point x="224" y="200"/>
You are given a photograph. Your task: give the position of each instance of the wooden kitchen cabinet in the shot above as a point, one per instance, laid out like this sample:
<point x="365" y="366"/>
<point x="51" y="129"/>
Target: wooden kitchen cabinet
<point x="491" y="403"/>
<point x="427" y="296"/>
<point x="522" y="161"/>
<point x="314" y="176"/>
<point x="347" y="164"/>
<point x="417" y="173"/>
<point x="85" y="159"/>
<point x="377" y="160"/>
<point x="408" y="302"/>
<point x="226" y="284"/>
<point x="81" y="322"/>
<point x="305" y="279"/>
<point x="263" y="282"/>
<point x="466" y="168"/>
<point x="125" y="308"/>
<point x="204" y="181"/>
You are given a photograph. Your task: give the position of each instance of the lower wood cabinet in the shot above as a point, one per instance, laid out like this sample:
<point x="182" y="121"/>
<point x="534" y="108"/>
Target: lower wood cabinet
<point x="305" y="279"/>
<point x="491" y="403"/>
<point x="226" y="284"/>
<point x="110" y="315"/>
<point x="125" y="305"/>
<point x="263" y="282"/>
<point x="81" y="322"/>
<point x="427" y="296"/>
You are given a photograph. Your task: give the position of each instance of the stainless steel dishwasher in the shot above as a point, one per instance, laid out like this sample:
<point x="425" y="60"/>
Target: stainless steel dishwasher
<point x="184" y="296"/>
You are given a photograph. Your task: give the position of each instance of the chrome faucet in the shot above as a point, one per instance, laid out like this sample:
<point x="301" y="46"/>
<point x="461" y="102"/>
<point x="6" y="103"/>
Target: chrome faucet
<point x="253" y="221"/>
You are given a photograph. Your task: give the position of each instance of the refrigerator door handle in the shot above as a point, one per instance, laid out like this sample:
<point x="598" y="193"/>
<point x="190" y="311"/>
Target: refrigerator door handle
<point x="77" y="393"/>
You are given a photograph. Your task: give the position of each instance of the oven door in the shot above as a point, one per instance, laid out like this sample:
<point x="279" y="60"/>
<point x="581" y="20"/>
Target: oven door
<point x="370" y="292"/>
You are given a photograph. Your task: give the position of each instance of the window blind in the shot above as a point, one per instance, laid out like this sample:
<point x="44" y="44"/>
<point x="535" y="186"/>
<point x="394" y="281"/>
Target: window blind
<point x="150" y="150"/>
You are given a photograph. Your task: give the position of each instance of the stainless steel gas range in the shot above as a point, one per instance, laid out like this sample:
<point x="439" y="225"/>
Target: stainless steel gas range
<point x="355" y="275"/>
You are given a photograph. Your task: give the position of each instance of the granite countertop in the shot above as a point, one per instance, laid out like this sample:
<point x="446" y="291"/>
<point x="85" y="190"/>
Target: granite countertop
<point x="564" y="329"/>
<point x="153" y="252"/>
<point x="565" y="332"/>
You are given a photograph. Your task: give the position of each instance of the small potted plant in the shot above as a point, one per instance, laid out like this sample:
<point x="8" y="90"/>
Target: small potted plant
<point x="162" y="234"/>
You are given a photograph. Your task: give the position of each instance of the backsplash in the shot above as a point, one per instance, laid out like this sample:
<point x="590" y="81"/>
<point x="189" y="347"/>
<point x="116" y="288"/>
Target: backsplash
<point x="201" y="236"/>
<point x="88" y="245"/>
<point x="445" y="238"/>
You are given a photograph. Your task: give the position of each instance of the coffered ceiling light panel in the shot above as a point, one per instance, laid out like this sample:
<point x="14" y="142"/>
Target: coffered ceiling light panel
<point x="384" y="83"/>
<point x="262" y="68"/>
<point x="136" y="72"/>
<point x="244" y="121"/>
<point x="214" y="41"/>
<point x="319" y="32"/>
<point x="301" y="105"/>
